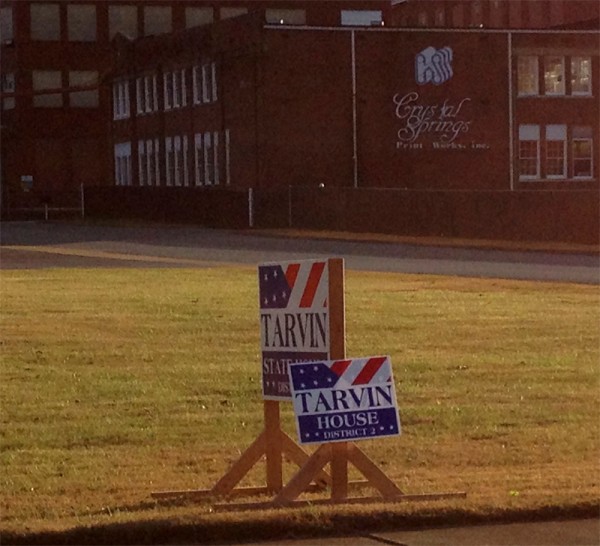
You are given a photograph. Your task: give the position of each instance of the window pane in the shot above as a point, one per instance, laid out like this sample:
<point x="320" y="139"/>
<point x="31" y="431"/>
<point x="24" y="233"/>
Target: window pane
<point x="196" y="17"/>
<point x="228" y="13"/>
<point x="123" y="19"/>
<point x="582" y="158"/>
<point x="361" y="17"/>
<point x="83" y="99"/>
<point x="528" y="158"/>
<point x="581" y="75"/>
<point x="157" y="20"/>
<point x="554" y="75"/>
<point x="555" y="159"/>
<point x="45" y="21"/>
<point x="47" y="79"/>
<point x="81" y="23"/>
<point x="527" y="75"/>
<point x="6" y="24"/>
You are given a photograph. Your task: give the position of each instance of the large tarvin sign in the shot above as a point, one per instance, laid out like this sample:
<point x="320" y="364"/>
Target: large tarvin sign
<point x="294" y="320"/>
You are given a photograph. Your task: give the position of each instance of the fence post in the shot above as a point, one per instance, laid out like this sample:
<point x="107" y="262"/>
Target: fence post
<point x="250" y="207"/>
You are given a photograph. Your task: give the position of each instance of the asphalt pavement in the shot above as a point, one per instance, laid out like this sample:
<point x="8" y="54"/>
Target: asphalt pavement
<point x="39" y="244"/>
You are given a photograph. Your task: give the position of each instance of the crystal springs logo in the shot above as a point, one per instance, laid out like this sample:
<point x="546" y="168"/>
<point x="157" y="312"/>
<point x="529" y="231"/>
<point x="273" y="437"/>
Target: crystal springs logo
<point x="433" y="65"/>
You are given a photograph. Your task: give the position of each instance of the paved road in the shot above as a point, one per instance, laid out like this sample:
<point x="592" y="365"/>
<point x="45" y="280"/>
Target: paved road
<point x="584" y="532"/>
<point x="38" y="244"/>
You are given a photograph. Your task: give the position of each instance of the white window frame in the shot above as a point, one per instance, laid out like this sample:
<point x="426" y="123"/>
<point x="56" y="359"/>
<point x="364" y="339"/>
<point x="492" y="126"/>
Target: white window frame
<point x="583" y="134"/>
<point x="178" y="163"/>
<point x="140" y="96"/>
<point x="530" y="133"/>
<point x="556" y="133"/>
<point x="576" y="72"/>
<point x="141" y="162"/>
<point x="361" y="17"/>
<point x="121" y="99"/>
<point x="198" y="160"/>
<point x="122" y="157"/>
<point x="208" y="159"/>
<point x="168" y="90"/>
<point x="169" y="161"/>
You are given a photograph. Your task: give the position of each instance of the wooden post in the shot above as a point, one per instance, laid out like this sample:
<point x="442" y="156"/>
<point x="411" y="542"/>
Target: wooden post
<point x="273" y="446"/>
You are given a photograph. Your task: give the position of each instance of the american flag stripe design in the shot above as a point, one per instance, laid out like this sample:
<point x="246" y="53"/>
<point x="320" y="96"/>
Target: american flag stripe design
<point x="369" y="370"/>
<point x="312" y="284"/>
<point x="308" y="284"/>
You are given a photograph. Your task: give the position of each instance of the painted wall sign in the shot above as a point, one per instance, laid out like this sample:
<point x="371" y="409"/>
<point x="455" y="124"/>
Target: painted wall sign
<point x="344" y="400"/>
<point x="294" y="320"/>
<point x="434" y="124"/>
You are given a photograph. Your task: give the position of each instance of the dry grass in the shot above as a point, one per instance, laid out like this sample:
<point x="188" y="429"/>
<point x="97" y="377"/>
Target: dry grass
<point x="119" y="383"/>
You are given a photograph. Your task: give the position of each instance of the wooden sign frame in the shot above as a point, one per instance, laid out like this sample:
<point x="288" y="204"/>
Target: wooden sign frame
<point x="273" y="444"/>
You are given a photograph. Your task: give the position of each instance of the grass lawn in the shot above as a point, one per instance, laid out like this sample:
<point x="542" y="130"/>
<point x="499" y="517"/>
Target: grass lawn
<point x="118" y="383"/>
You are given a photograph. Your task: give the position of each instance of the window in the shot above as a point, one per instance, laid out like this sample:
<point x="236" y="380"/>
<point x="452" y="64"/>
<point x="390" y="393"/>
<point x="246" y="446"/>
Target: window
<point x="556" y="151"/>
<point x="6" y="25"/>
<point x="45" y="21"/>
<point x="209" y="165"/>
<point x="582" y="152"/>
<point x="581" y="75"/>
<point x="554" y="75"/>
<point x="151" y="92"/>
<point x="81" y="22"/>
<point x="83" y="99"/>
<point x="527" y="75"/>
<point x="157" y="20"/>
<point x="142" y="169"/>
<point x="124" y="20"/>
<point x="361" y="18"/>
<point x="529" y="152"/>
<point x="198" y="160"/>
<point x="227" y="158"/>
<point x="285" y="16"/>
<point x="47" y="80"/>
<point x="140" y="98"/>
<point x="196" y="17"/>
<point x="169" y="161"/>
<point x="120" y="99"/>
<point x="179" y="88"/>
<point x="123" y="164"/>
<point x="168" y="90"/>
<point x="8" y="88"/>
<point x="229" y="13"/>
<point x="440" y="17"/>
<point x="152" y="163"/>
<point x="476" y="13"/>
<point x="204" y="83"/>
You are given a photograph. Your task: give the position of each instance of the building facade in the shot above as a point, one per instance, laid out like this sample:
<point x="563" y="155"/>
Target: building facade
<point x="245" y="104"/>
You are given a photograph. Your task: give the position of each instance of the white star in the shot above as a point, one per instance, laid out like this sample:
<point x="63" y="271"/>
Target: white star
<point x="316" y="368"/>
<point x="274" y="273"/>
<point x="302" y="370"/>
<point x="315" y="382"/>
<point x="302" y="385"/>
<point x="274" y="298"/>
<point x="329" y="380"/>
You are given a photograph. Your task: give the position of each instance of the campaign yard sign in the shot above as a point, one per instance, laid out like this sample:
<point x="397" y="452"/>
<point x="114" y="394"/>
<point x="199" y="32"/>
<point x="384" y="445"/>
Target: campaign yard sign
<point x="294" y="320"/>
<point x="344" y="400"/>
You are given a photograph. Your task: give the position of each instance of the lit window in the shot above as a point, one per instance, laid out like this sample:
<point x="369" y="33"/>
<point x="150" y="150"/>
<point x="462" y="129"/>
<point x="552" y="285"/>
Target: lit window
<point x="47" y="80"/>
<point x="554" y="75"/>
<point x="582" y="152"/>
<point x="529" y="152"/>
<point x="123" y="20"/>
<point x="581" y="76"/>
<point x="45" y="21"/>
<point x="6" y="25"/>
<point x="527" y="75"/>
<point x="85" y="98"/>
<point x="197" y="17"/>
<point x="157" y="20"/>
<point x="285" y="16"/>
<point x="152" y="163"/>
<point x="81" y="22"/>
<point x="198" y="160"/>
<point x="122" y="158"/>
<point x="556" y="151"/>
<point x="150" y="93"/>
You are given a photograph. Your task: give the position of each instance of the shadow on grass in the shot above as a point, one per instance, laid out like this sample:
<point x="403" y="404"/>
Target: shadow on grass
<point x="247" y="529"/>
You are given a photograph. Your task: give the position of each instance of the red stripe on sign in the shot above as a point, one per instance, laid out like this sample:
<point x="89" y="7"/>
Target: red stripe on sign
<point x="370" y="369"/>
<point x="340" y="366"/>
<point x="291" y="274"/>
<point x="314" y="277"/>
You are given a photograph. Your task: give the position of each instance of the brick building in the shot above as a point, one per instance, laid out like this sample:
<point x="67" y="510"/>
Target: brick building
<point x="247" y="104"/>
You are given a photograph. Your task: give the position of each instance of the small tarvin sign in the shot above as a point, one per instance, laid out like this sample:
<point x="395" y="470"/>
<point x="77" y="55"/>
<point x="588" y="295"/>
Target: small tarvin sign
<point x="344" y="400"/>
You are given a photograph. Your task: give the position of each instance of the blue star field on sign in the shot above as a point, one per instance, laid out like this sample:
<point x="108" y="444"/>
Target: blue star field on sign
<point x="274" y="289"/>
<point x="313" y="375"/>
